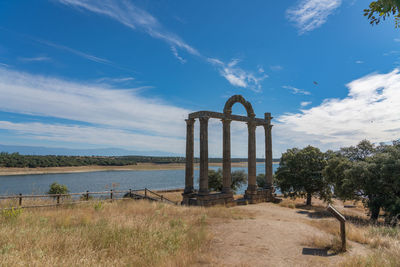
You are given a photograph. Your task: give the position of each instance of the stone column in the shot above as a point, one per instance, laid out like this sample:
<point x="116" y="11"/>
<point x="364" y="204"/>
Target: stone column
<point x="252" y="183"/>
<point x="268" y="151"/>
<point x="203" y="190"/>
<point x="189" y="156"/>
<point x="226" y="157"/>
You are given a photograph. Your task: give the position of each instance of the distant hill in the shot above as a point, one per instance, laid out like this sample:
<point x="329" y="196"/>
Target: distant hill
<point x="42" y="151"/>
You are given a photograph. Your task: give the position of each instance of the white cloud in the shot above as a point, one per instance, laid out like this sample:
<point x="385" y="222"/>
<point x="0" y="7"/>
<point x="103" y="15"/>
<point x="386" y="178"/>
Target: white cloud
<point x="397" y="40"/>
<point x="136" y="18"/>
<point x="4" y="65"/>
<point x="34" y="59"/>
<point x="370" y="111"/>
<point x="89" y="135"/>
<point x="237" y="76"/>
<point x="276" y="67"/>
<point x="296" y="91"/>
<point x="359" y="62"/>
<point x="133" y="17"/>
<point x="305" y="103"/>
<point x="75" y="52"/>
<point x="115" y="80"/>
<point x="91" y="103"/>
<point x="175" y="52"/>
<point x="311" y="14"/>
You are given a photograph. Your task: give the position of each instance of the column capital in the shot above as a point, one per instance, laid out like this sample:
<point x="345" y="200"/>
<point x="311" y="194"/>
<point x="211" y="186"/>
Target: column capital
<point x="204" y="119"/>
<point x="268" y="116"/>
<point x="226" y="121"/>
<point x="190" y="121"/>
<point x="251" y="125"/>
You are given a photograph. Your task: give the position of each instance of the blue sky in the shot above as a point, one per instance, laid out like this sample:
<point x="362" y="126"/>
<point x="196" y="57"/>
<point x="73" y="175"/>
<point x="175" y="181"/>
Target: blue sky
<point x="125" y="74"/>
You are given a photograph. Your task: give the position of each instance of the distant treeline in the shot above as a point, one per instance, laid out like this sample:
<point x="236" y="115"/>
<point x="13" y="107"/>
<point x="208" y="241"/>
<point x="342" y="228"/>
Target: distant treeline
<point x="31" y="161"/>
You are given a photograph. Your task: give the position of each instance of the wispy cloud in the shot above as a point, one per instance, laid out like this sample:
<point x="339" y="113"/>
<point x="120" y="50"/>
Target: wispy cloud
<point x="276" y="67"/>
<point x="96" y="104"/>
<point x="305" y="103"/>
<point x="296" y="91"/>
<point x="237" y="76"/>
<point x="115" y="80"/>
<point x="175" y="52"/>
<point x="4" y="65"/>
<point x="359" y="62"/>
<point x="370" y="111"/>
<point x="133" y="17"/>
<point x="75" y="52"/>
<point x="93" y="135"/>
<point x="136" y="18"/>
<point x="311" y="14"/>
<point x="34" y="59"/>
<point x="397" y="40"/>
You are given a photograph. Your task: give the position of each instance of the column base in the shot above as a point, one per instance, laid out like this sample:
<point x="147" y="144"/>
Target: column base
<point x="212" y="199"/>
<point x="188" y="190"/>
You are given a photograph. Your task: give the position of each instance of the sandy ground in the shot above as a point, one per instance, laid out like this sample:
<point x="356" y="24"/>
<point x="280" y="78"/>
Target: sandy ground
<point x="275" y="236"/>
<point x="138" y="167"/>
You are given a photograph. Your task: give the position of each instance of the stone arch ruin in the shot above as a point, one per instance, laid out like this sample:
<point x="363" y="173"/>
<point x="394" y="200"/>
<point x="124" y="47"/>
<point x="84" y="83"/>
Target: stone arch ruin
<point x="253" y="194"/>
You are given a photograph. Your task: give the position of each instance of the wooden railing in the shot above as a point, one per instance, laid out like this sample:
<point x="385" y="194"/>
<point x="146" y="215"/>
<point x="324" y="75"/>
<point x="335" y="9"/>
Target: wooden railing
<point x="67" y="199"/>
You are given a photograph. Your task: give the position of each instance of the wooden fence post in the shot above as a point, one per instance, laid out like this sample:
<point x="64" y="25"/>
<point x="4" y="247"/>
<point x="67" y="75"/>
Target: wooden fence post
<point x="130" y="192"/>
<point x="20" y="199"/>
<point x="111" y="194"/>
<point x="87" y="195"/>
<point x="58" y="199"/>
<point x="145" y="192"/>
<point x="342" y="221"/>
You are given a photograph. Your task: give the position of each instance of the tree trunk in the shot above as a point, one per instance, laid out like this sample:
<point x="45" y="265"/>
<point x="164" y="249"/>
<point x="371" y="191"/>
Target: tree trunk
<point x="308" y="199"/>
<point x="374" y="212"/>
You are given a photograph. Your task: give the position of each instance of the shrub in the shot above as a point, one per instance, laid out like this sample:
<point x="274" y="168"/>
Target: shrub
<point x="56" y="188"/>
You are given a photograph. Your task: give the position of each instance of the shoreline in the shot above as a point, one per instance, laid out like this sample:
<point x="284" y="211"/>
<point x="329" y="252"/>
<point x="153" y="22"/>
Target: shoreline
<point x="139" y="167"/>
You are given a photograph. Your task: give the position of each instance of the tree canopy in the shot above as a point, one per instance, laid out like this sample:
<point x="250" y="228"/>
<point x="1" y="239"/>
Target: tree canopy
<point x="382" y="9"/>
<point x="370" y="174"/>
<point x="239" y="178"/>
<point x="300" y="174"/>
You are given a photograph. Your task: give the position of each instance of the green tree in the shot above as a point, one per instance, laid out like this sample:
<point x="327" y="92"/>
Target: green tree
<point x="300" y="174"/>
<point x="239" y="178"/>
<point x="382" y="9"/>
<point x="261" y="180"/>
<point x="215" y="180"/>
<point x="373" y="178"/>
<point x="56" y="188"/>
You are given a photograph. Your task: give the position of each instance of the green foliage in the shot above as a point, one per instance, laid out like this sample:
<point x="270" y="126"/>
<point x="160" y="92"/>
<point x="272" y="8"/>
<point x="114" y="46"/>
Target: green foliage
<point x="261" y="182"/>
<point x="239" y="178"/>
<point x="382" y="9"/>
<point x="370" y="174"/>
<point x="98" y="206"/>
<point x="300" y="174"/>
<point x="11" y="214"/>
<point x="56" y="188"/>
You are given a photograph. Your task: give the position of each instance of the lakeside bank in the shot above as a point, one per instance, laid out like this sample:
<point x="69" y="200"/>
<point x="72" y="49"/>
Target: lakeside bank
<point x="96" y="168"/>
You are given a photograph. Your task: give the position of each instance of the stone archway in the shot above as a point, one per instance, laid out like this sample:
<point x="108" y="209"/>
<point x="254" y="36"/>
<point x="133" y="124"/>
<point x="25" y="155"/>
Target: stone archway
<point x="253" y="194"/>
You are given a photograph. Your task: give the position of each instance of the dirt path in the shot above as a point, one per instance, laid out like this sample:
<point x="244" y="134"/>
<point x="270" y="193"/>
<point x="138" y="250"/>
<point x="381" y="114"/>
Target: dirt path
<point x="276" y="236"/>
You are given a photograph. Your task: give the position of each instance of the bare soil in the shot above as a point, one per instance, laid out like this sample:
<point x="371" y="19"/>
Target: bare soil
<point x="274" y="236"/>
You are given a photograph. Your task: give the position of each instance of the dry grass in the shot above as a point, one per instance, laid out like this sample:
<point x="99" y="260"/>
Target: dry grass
<point x="131" y="233"/>
<point x="383" y="241"/>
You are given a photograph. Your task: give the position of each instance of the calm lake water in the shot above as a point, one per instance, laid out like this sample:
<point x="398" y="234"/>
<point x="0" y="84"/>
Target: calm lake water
<point x="104" y="180"/>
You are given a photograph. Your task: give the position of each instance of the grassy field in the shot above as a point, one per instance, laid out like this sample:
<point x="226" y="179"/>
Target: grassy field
<point x="128" y="233"/>
<point x="383" y="242"/>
